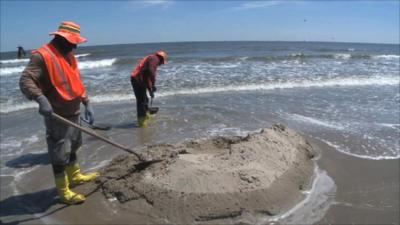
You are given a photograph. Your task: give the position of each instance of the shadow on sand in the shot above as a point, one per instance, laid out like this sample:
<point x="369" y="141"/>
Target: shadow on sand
<point x="126" y="125"/>
<point x="29" y="160"/>
<point x="28" y="204"/>
<point x="35" y="206"/>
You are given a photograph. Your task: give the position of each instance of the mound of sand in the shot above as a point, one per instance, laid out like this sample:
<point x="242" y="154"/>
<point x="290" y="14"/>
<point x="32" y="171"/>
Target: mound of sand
<point x="215" y="180"/>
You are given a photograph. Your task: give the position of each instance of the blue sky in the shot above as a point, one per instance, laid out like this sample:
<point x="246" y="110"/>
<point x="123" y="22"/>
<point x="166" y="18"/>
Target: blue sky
<point x="28" y="22"/>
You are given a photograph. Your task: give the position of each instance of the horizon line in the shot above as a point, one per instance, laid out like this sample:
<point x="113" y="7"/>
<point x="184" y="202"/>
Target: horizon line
<point x="168" y="42"/>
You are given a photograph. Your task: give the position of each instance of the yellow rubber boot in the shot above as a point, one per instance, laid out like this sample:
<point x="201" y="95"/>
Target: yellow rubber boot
<point x="66" y="195"/>
<point x="75" y="177"/>
<point x="143" y="121"/>
<point x="149" y="115"/>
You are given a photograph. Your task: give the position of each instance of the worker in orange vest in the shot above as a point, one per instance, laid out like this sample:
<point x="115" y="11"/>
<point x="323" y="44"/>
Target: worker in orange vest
<point x="143" y="79"/>
<point x="53" y="80"/>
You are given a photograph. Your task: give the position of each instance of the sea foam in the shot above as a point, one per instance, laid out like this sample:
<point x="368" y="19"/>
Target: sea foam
<point x="314" y="206"/>
<point x="347" y="152"/>
<point x="7" y="71"/>
<point x="82" y="55"/>
<point x="9" y="61"/>
<point x="315" y="121"/>
<point x="335" y="82"/>
<point x="97" y="63"/>
<point x="388" y="57"/>
<point x="342" y="56"/>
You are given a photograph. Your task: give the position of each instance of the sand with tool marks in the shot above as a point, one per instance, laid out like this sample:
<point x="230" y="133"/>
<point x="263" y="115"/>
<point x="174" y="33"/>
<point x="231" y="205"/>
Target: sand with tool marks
<point x="216" y="180"/>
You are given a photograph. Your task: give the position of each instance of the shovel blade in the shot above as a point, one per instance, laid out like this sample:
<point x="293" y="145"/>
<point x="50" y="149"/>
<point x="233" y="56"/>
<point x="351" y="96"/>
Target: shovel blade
<point x="153" y="110"/>
<point x="101" y="126"/>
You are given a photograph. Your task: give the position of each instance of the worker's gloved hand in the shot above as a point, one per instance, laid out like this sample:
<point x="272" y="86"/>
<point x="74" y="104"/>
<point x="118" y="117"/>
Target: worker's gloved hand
<point x="154" y="89"/>
<point x="45" y="108"/>
<point x="89" y="114"/>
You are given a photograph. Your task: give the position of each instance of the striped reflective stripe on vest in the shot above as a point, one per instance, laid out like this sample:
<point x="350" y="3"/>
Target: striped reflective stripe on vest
<point x="60" y="72"/>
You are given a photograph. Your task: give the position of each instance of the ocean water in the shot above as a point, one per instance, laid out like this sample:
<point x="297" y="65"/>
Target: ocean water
<point x="344" y="94"/>
<point x="351" y="90"/>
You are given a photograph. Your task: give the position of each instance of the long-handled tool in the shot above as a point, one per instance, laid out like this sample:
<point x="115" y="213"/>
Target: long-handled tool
<point x="152" y="110"/>
<point x="86" y="130"/>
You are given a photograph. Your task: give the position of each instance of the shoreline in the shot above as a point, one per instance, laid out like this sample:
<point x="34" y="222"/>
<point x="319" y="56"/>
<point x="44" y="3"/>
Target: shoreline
<point x="366" y="192"/>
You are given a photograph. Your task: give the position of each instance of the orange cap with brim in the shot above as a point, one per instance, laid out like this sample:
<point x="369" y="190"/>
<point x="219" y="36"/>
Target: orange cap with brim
<point x="70" y="31"/>
<point x="164" y="55"/>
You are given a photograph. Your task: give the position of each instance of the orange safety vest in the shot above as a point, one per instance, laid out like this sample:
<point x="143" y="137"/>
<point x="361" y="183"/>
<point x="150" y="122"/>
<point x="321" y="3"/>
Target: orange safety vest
<point x="136" y="73"/>
<point x="139" y="67"/>
<point x="65" y="78"/>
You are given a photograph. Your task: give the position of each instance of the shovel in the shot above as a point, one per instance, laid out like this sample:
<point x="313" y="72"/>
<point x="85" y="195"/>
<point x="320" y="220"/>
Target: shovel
<point x="152" y="110"/>
<point x="97" y="126"/>
<point x="90" y="132"/>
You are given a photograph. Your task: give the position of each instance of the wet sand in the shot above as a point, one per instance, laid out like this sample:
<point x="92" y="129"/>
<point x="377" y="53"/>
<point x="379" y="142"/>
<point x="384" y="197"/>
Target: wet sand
<point x="367" y="190"/>
<point x="367" y="193"/>
<point x="219" y="180"/>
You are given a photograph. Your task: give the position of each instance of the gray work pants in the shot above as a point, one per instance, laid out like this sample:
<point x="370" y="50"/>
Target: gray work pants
<point x="62" y="140"/>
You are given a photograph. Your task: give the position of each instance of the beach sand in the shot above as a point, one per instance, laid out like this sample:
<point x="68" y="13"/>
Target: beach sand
<point x="367" y="191"/>
<point x="218" y="180"/>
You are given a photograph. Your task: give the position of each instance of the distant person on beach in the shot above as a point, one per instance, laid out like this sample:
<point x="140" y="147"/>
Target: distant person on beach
<point x="143" y="78"/>
<point x="21" y="52"/>
<point x="52" y="79"/>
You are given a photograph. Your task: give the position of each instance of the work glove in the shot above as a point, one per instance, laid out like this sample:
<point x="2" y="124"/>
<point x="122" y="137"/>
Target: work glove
<point x="45" y="108"/>
<point x="89" y="114"/>
<point x="154" y="89"/>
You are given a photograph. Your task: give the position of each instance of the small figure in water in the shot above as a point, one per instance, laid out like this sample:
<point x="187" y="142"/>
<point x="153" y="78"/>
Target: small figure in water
<point x="21" y="52"/>
<point x="143" y="78"/>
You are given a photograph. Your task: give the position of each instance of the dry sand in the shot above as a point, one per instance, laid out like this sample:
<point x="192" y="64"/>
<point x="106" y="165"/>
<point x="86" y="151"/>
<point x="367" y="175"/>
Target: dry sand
<point x="217" y="180"/>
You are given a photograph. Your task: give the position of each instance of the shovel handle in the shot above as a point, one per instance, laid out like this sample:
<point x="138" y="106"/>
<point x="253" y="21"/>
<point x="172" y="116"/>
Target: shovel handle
<point x="85" y="130"/>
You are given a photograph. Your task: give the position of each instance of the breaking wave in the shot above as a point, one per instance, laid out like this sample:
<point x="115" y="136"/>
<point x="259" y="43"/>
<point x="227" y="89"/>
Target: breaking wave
<point x="10" y="61"/>
<point x="347" y="152"/>
<point x="388" y="57"/>
<point x="97" y="63"/>
<point x="82" y="55"/>
<point x="6" y="71"/>
<point x="318" y="122"/>
<point x="292" y="56"/>
<point x="337" y="82"/>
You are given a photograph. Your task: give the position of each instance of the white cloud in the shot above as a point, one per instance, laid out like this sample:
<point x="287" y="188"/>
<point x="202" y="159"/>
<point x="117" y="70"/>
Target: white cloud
<point x="157" y="2"/>
<point x="256" y="5"/>
<point x="135" y="5"/>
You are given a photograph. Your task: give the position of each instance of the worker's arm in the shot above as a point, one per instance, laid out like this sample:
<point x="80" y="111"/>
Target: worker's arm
<point x="152" y="72"/>
<point x="29" y="82"/>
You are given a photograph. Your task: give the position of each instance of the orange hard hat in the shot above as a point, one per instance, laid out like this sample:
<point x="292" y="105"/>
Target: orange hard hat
<point x="164" y="55"/>
<point x="70" y="31"/>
